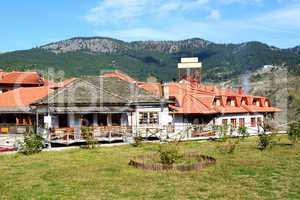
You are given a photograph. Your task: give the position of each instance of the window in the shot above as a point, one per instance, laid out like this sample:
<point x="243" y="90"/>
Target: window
<point x="232" y="103"/>
<point x="233" y="122"/>
<point x="225" y="121"/>
<point x="63" y="121"/>
<point x="153" y="118"/>
<point x="228" y="102"/>
<point x="23" y="121"/>
<point x="259" y="121"/>
<point x="244" y="101"/>
<point x="256" y="103"/>
<point x="253" y="122"/>
<point x="116" y="119"/>
<point x="102" y="119"/>
<point x="217" y="102"/>
<point x="148" y="118"/>
<point x="266" y="104"/>
<point x="242" y="122"/>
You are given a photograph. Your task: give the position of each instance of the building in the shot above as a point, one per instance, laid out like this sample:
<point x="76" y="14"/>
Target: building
<point x="16" y="113"/>
<point x="116" y="107"/>
<point x="113" y="109"/>
<point x="200" y="108"/>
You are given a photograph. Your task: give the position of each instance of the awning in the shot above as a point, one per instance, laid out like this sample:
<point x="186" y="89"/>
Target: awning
<point x="25" y="109"/>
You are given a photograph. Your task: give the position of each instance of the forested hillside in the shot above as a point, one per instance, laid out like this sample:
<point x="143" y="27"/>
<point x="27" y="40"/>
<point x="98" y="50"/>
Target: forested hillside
<point x="89" y="56"/>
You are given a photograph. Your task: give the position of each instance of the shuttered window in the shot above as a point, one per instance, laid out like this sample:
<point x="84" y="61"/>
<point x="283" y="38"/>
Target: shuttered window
<point x="148" y="118"/>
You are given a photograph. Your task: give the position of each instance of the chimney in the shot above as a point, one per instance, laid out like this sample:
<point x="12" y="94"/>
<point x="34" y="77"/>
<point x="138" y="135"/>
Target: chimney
<point x="240" y="91"/>
<point x="190" y="69"/>
<point x="1" y="74"/>
<point x="165" y="90"/>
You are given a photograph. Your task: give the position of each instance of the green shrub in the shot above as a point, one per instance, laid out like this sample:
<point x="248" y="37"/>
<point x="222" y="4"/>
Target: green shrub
<point x="137" y="141"/>
<point x="169" y="154"/>
<point x="223" y="130"/>
<point x="32" y="143"/>
<point x="227" y="147"/>
<point x="243" y="132"/>
<point x="294" y="132"/>
<point x="264" y="141"/>
<point x="87" y="134"/>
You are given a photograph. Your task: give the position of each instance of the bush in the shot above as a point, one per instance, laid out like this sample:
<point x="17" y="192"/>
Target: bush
<point x="223" y="130"/>
<point x="137" y="141"/>
<point x="294" y="132"/>
<point x="169" y="154"/>
<point x="243" y="132"/>
<point x="87" y="134"/>
<point x="264" y="141"/>
<point x="33" y="143"/>
<point x="227" y="147"/>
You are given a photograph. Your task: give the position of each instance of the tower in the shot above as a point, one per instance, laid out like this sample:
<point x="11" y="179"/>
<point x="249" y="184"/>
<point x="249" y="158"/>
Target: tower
<point x="189" y="68"/>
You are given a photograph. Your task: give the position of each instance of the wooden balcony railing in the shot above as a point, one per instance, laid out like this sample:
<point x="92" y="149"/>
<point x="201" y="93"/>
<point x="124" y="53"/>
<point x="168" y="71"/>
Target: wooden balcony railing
<point x="97" y="131"/>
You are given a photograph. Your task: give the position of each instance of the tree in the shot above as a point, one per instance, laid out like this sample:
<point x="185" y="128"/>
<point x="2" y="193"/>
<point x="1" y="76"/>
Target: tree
<point x="264" y="139"/>
<point x="294" y="132"/>
<point x="87" y="134"/>
<point x="32" y="143"/>
<point x="243" y="132"/>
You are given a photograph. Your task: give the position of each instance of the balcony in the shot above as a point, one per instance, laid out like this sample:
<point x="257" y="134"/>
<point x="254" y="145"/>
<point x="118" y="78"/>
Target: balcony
<point x="69" y="135"/>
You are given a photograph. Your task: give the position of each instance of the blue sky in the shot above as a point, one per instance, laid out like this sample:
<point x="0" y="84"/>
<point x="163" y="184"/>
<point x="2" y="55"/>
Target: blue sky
<point x="29" y="23"/>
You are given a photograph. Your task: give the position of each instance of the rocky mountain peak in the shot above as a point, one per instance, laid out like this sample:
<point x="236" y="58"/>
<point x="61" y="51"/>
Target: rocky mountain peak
<point x="109" y="45"/>
<point x="94" y="44"/>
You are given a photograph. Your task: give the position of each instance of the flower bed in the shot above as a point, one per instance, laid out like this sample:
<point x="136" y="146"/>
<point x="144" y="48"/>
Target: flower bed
<point x="190" y="161"/>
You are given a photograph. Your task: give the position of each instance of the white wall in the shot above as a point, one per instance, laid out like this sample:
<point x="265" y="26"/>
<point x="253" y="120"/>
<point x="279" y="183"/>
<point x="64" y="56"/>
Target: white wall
<point x="163" y="117"/>
<point x="181" y="124"/>
<point x="247" y="117"/>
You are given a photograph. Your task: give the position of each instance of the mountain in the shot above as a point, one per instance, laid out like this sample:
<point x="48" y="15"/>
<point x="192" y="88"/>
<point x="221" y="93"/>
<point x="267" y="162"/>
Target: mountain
<point x="110" y="45"/>
<point x="296" y="49"/>
<point x="93" y="55"/>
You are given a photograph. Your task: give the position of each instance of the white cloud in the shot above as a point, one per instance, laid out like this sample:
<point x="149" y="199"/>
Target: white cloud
<point x="116" y="11"/>
<point x="166" y="19"/>
<point x="113" y="10"/>
<point x="214" y="15"/>
<point x="288" y="17"/>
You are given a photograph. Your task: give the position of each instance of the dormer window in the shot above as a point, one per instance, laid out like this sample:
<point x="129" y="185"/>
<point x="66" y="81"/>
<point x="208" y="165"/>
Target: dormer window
<point x="217" y="102"/>
<point x="267" y="104"/>
<point x="256" y="103"/>
<point x="230" y="102"/>
<point x="244" y="101"/>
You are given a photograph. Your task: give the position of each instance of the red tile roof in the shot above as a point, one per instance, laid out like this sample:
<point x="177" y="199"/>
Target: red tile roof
<point x="24" y="78"/>
<point x="22" y="96"/>
<point x="120" y="75"/>
<point x="192" y="97"/>
<point x="154" y="88"/>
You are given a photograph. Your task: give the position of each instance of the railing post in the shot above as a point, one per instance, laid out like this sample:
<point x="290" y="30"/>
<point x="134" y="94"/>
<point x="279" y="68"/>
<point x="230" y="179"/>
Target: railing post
<point x="109" y="136"/>
<point x="49" y="138"/>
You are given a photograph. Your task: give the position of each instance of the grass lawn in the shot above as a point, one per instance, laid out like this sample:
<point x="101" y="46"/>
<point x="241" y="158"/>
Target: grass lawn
<point x="104" y="173"/>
